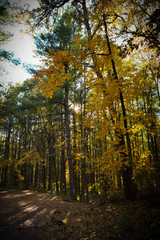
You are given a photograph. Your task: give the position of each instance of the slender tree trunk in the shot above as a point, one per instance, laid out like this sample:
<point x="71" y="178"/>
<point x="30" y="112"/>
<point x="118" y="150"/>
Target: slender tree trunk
<point x="25" y="145"/>
<point x="67" y="126"/>
<point x="7" y="153"/>
<point x="75" y="149"/>
<point x="82" y="158"/>
<point x="63" y="171"/>
<point x="84" y="147"/>
<point x="44" y="174"/>
<point x="14" y="155"/>
<point x="52" y="164"/>
<point x="63" y="159"/>
<point x="36" y="175"/>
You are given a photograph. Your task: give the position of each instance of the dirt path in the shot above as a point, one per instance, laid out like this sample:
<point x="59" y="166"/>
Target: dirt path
<point x="25" y="215"/>
<point x="31" y="216"/>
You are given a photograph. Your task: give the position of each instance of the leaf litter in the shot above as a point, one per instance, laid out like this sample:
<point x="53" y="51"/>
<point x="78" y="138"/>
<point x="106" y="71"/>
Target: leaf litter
<point x="29" y="215"/>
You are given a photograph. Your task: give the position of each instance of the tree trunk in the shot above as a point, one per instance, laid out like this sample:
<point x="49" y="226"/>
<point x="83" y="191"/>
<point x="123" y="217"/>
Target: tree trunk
<point x="63" y="171"/>
<point x="84" y="184"/>
<point x="63" y="159"/>
<point x="67" y="126"/>
<point x="52" y="164"/>
<point x="6" y="154"/>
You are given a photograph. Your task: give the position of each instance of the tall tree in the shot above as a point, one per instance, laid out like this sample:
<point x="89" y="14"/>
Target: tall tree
<point x="58" y="73"/>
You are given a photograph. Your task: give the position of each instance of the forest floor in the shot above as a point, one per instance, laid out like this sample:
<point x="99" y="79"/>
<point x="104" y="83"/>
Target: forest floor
<point x="26" y="215"/>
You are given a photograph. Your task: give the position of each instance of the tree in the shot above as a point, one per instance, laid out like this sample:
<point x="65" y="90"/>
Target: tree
<point x="4" y="19"/>
<point x="57" y="73"/>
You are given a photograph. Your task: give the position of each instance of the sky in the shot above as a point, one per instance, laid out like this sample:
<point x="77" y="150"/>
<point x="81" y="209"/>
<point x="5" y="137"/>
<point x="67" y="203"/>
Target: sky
<point x="22" y="46"/>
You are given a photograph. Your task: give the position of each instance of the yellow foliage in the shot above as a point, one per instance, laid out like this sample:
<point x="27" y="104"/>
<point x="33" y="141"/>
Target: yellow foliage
<point x="136" y="128"/>
<point x="30" y="157"/>
<point x="142" y="161"/>
<point x="54" y="72"/>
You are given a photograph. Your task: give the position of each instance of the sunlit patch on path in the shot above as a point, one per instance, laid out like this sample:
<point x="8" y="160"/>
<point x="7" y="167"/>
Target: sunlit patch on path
<point x="25" y="215"/>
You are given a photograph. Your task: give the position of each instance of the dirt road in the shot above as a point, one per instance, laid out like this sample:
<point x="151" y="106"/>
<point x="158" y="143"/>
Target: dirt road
<point x="30" y="216"/>
<point x="26" y="215"/>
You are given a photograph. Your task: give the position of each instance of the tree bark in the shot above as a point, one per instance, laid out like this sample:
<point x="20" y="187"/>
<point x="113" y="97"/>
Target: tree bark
<point x="67" y="126"/>
<point x="7" y="153"/>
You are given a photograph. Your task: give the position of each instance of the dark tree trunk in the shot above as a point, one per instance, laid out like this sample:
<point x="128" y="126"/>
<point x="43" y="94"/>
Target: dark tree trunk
<point x="44" y="176"/>
<point x="67" y="126"/>
<point x="36" y="176"/>
<point x="84" y="182"/>
<point x="63" y="158"/>
<point x="50" y="146"/>
<point x="6" y="154"/>
<point x="52" y="161"/>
